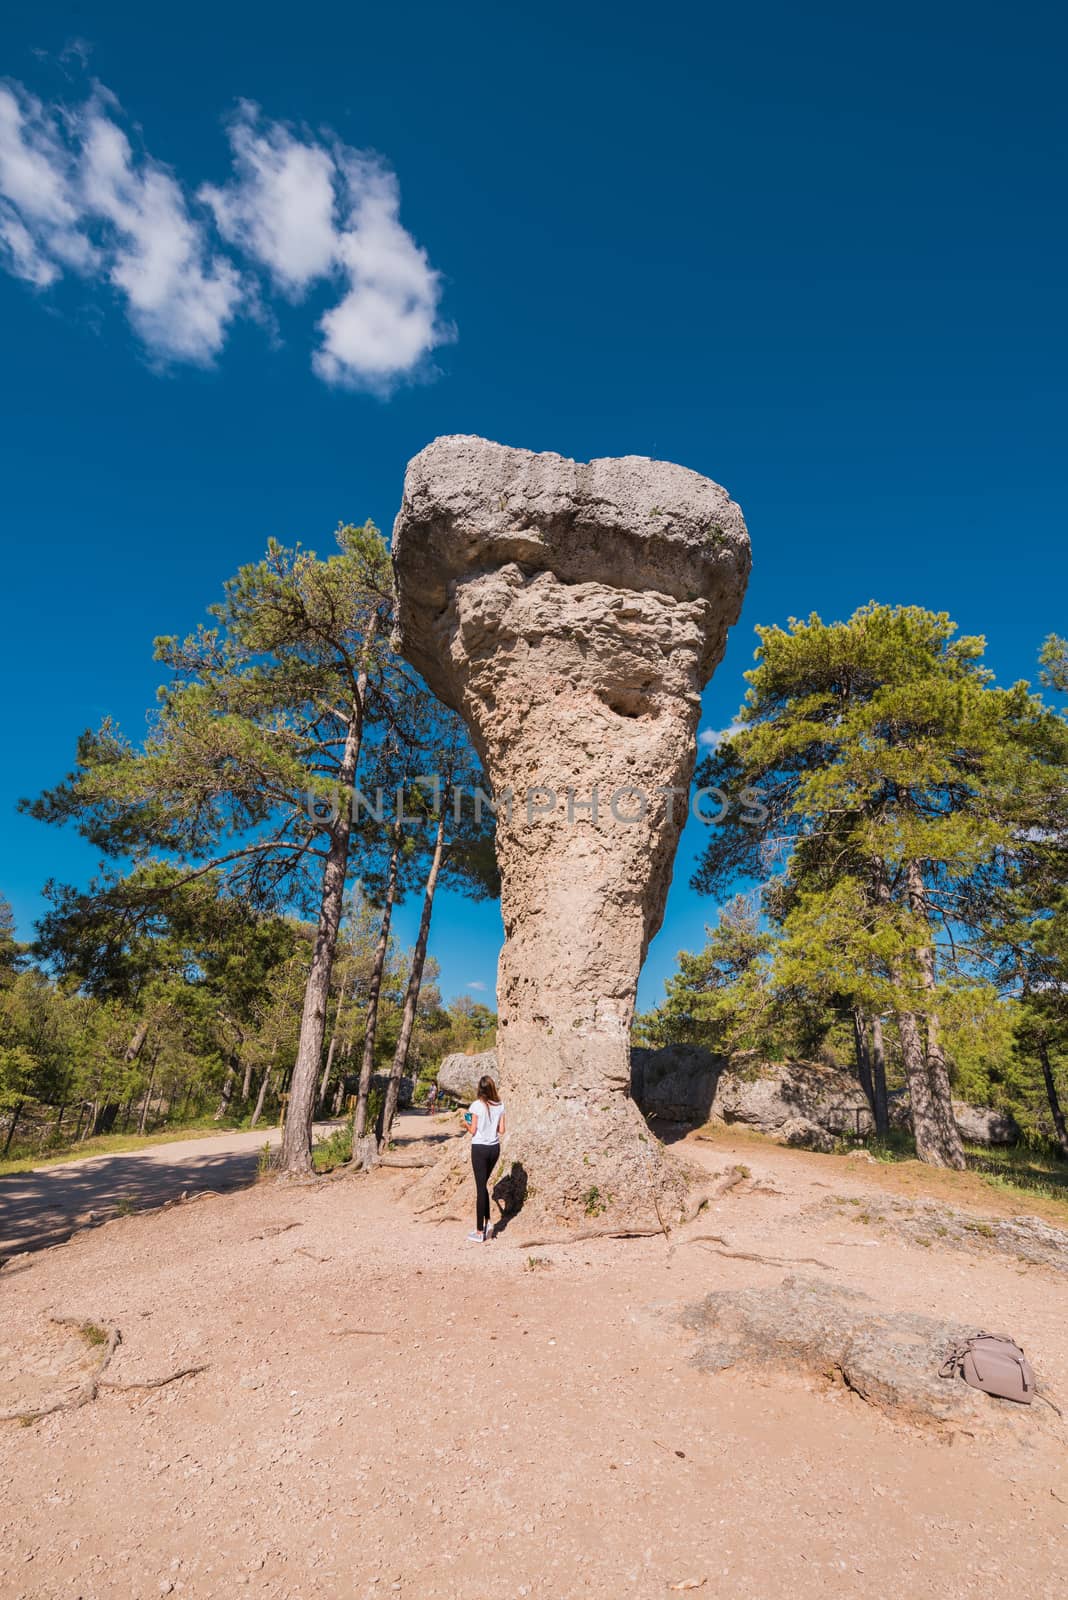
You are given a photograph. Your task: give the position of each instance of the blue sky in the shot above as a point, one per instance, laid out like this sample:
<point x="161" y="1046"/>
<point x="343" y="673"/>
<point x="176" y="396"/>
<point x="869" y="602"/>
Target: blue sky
<point x="815" y="253"/>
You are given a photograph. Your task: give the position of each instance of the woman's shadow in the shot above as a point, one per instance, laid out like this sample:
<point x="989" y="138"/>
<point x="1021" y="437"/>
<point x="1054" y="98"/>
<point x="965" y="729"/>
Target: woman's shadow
<point x="509" y="1192"/>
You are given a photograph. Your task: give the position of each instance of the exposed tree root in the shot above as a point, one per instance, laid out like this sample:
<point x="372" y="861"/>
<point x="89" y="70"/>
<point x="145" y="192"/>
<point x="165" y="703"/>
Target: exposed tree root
<point x="770" y="1261"/>
<point x="107" y="1339"/>
<point x="579" y="1235"/>
<point x="733" y="1177"/>
<point x="156" y="1383"/>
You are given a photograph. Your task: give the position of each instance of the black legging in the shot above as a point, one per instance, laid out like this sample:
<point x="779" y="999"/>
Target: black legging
<point x="483" y="1159"/>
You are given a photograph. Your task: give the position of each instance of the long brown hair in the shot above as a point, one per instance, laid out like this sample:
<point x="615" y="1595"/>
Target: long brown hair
<point x="487" y="1092"/>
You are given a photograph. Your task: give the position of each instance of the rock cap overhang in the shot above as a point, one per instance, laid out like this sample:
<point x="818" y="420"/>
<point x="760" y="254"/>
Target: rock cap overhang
<point x="628" y="522"/>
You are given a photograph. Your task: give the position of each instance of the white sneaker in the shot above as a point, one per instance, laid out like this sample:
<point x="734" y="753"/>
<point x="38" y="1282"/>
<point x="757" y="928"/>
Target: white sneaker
<point x="474" y="1237"/>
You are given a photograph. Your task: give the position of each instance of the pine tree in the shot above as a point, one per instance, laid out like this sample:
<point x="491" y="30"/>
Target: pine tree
<point x="263" y="720"/>
<point x="872" y="776"/>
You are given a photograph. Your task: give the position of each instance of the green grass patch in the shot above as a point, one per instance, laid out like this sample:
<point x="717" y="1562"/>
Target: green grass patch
<point x="1018" y="1169"/>
<point x="1021" y="1170"/>
<point x="333" y="1150"/>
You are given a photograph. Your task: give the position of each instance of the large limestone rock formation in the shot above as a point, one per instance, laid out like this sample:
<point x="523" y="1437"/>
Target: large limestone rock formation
<point x="801" y="1103"/>
<point x="572" y="612"/>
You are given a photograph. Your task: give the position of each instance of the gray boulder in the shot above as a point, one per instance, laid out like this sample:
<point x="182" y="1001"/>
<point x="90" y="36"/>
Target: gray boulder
<point x="985" y="1124"/>
<point x="678" y="1082"/>
<point x="458" y="1074"/>
<point x="800" y="1103"/>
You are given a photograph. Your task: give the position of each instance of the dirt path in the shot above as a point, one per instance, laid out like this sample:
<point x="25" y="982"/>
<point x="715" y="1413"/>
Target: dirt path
<point x="46" y="1205"/>
<point x="388" y="1410"/>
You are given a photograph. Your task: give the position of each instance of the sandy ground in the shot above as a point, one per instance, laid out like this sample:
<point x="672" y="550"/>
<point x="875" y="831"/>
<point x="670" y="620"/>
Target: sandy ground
<point x="47" y="1204"/>
<point x="389" y="1410"/>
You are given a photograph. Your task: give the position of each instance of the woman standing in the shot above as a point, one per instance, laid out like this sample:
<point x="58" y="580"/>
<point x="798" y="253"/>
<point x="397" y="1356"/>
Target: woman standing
<point x="485" y="1123"/>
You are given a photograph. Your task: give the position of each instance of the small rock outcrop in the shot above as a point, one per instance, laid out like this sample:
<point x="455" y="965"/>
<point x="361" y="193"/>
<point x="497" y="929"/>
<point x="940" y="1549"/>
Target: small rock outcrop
<point x="890" y="1359"/>
<point x="572" y="612"/>
<point x="929" y="1223"/>
<point x="802" y="1103"/>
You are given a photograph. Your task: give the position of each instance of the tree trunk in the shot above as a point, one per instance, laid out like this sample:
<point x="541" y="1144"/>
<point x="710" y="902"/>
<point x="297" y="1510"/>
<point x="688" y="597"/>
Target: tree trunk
<point x="415" y="979"/>
<point x="862" y="1047"/>
<point x="104" y="1121"/>
<point x="938" y="1139"/>
<point x="137" y="1041"/>
<point x="246" y="1082"/>
<point x="265" y="1083"/>
<point x="227" y="1088"/>
<point x="143" y="1118"/>
<point x="297" y="1138"/>
<point x="359" y="1118"/>
<point x="878" y="1078"/>
<point x="324" y="1084"/>
<point x="12" y="1125"/>
<point x="1056" y="1110"/>
<point x="156" y="1118"/>
<point x="339" y="1096"/>
<point x="297" y="1141"/>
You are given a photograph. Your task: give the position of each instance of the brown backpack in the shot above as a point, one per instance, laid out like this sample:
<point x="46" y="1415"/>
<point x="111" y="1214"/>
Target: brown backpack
<point x="994" y="1364"/>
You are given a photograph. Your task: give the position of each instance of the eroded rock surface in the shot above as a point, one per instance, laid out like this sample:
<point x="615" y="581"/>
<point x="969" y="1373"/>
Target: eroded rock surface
<point x="572" y="613"/>
<point x="989" y="1125"/>
<point x="458" y="1074"/>
<point x="929" y="1223"/>
<point x="801" y="1103"/>
<point x="891" y="1359"/>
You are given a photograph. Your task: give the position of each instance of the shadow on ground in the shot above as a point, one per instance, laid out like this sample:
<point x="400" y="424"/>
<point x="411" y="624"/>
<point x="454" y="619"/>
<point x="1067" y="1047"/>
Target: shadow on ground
<point x="45" y="1207"/>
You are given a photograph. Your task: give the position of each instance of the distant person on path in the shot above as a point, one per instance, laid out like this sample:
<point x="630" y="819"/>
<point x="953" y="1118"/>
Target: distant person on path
<point x="431" y="1099"/>
<point x="485" y="1123"/>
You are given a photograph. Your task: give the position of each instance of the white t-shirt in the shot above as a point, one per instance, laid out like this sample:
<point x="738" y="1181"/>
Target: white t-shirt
<point x="485" y="1120"/>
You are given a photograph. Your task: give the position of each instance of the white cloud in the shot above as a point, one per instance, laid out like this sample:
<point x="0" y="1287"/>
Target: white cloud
<point x="20" y="251"/>
<point x="280" y="207"/>
<point x="476" y="983"/>
<point x="40" y="217"/>
<point x="709" y="738"/>
<point x="181" y="297"/>
<point x="387" y="321"/>
<point x="304" y="212"/>
<point x="75" y="196"/>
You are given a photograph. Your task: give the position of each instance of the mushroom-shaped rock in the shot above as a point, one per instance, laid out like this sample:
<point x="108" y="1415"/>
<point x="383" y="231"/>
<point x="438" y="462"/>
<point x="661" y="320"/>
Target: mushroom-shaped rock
<point x="572" y="612"/>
